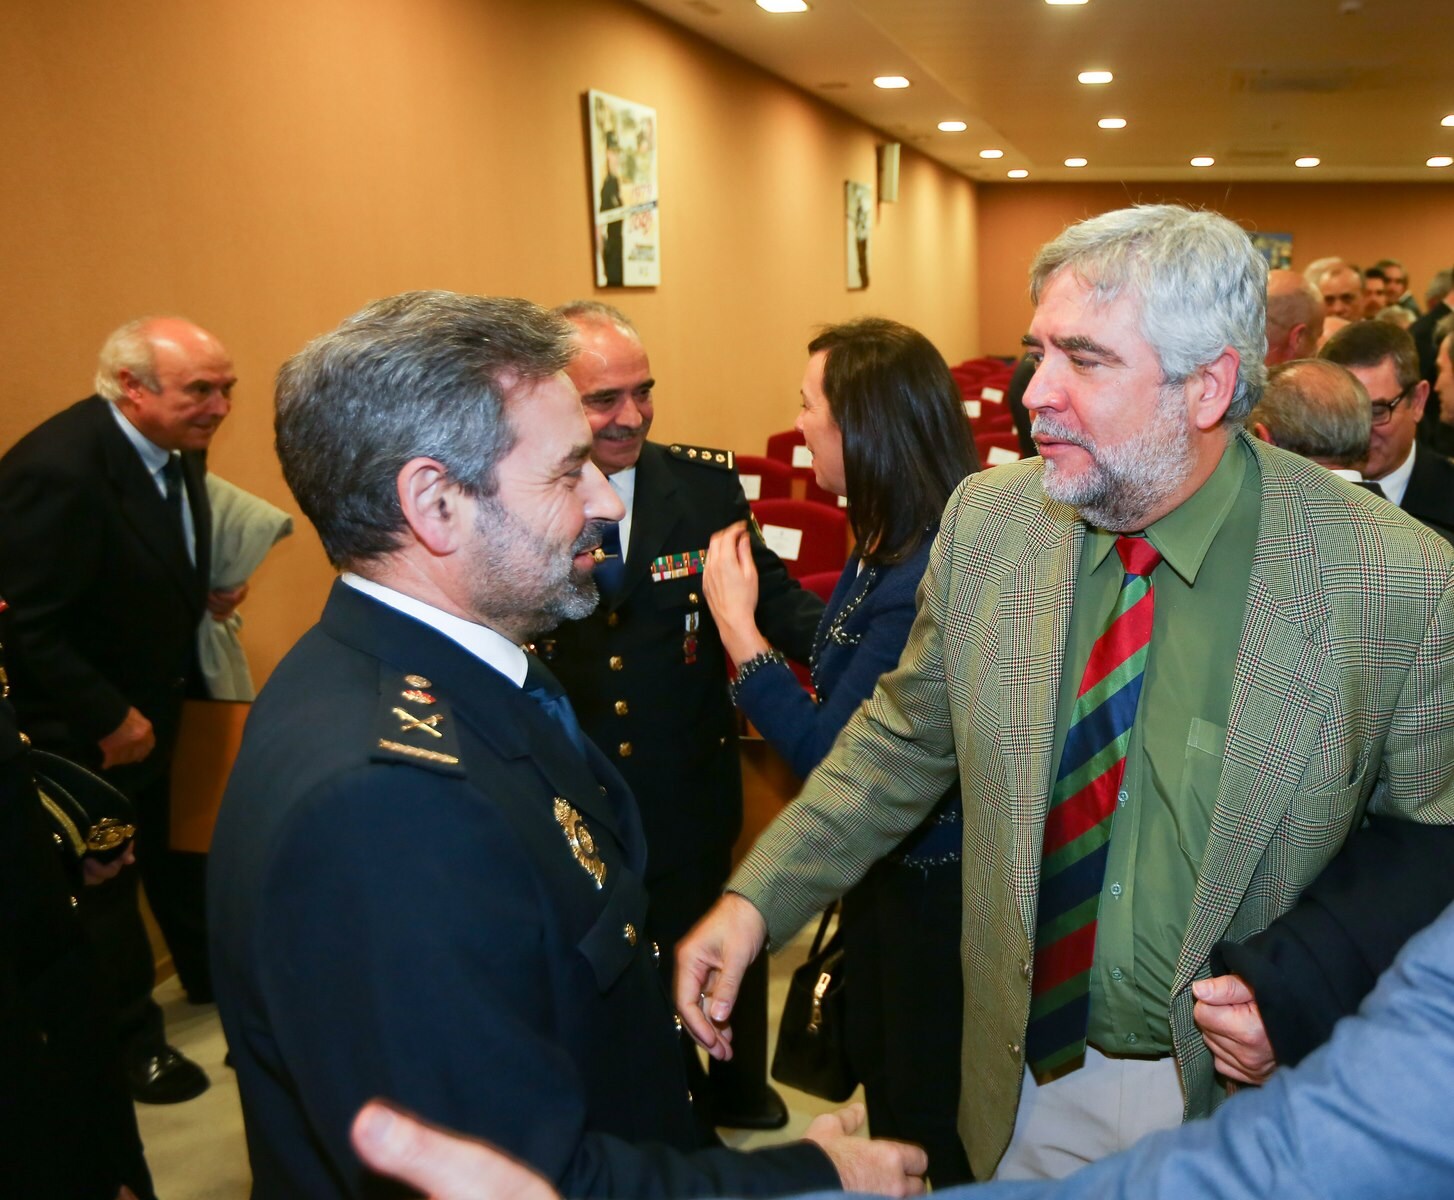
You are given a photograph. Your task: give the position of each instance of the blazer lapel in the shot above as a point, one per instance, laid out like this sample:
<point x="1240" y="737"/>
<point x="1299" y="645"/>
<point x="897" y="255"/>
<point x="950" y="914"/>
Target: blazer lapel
<point x="1034" y="620"/>
<point x="144" y="508"/>
<point x="653" y="516"/>
<point x="1281" y="691"/>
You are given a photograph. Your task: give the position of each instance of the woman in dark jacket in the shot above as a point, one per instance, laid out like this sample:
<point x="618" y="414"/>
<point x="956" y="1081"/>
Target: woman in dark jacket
<point x="883" y="419"/>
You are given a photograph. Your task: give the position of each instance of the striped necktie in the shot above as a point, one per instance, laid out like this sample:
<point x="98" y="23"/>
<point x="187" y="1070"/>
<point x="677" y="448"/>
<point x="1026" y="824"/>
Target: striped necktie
<point x="1078" y="823"/>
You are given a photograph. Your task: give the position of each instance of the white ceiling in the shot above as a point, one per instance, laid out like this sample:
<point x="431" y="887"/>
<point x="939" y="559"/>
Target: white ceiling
<point x="1361" y="84"/>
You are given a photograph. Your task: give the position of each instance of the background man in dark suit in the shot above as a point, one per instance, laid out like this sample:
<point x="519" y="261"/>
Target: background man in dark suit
<point x="648" y="676"/>
<point x="425" y="881"/>
<point x="104" y="545"/>
<point x="1414" y="476"/>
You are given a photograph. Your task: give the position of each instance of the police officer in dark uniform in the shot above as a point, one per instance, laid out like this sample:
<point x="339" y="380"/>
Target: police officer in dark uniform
<point x="425" y="881"/>
<point x="67" y="1124"/>
<point x="647" y="674"/>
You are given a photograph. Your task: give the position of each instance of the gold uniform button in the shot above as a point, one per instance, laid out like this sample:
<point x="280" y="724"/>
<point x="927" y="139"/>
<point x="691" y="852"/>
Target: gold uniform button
<point x="1014" y="1049"/>
<point x="655" y="952"/>
<point x="693" y="598"/>
<point x="677" y="1022"/>
<point x="629" y="933"/>
<point x="625" y="749"/>
<point x="621" y="708"/>
<point x="75" y="903"/>
<point x="613" y="619"/>
<point x="615" y="662"/>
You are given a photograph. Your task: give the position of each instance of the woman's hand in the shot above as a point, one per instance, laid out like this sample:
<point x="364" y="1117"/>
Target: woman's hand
<point x="730" y="582"/>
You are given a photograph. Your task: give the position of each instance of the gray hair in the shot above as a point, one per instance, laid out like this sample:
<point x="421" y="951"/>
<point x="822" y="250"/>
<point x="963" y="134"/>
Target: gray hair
<point x="1439" y="286"/>
<point x="1198" y="282"/>
<point x="419" y="375"/>
<point x="1443" y="327"/>
<point x="588" y="312"/>
<point x="1317" y="409"/>
<point x="128" y="349"/>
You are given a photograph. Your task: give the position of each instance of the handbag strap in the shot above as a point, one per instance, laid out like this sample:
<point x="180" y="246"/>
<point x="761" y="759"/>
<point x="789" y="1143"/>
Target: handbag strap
<point x="828" y="914"/>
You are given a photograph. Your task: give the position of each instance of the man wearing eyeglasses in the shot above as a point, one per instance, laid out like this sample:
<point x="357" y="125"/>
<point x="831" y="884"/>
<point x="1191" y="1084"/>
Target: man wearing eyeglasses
<point x="1416" y="478"/>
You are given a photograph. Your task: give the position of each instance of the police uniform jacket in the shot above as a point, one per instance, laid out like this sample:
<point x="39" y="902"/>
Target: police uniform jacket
<point x="657" y="708"/>
<point x="105" y="601"/>
<point x="421" y="888"/>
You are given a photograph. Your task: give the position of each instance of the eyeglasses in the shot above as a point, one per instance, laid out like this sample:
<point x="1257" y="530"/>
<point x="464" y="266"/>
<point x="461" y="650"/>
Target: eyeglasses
<point x="1383" y="409"/>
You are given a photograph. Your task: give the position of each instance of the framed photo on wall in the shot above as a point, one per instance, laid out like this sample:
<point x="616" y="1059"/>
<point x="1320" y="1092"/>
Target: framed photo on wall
<point x="858" y="218"/>
<point x="624" y="192"/>
<point x="1276" y="248"/>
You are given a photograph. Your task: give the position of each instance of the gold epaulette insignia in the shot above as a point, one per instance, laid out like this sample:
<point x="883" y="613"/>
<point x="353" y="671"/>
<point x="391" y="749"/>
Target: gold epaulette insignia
<point x="723" y="460"/>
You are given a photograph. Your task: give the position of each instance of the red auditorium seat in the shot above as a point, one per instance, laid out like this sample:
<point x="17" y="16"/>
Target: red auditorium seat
<point x="781" y="445"/>
<point x="821" y="541"/>
<point x="764" y="478"/>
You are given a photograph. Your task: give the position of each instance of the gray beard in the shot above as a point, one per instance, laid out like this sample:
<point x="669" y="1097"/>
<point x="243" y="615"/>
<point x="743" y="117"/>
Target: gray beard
<point x="1129" y="481"/>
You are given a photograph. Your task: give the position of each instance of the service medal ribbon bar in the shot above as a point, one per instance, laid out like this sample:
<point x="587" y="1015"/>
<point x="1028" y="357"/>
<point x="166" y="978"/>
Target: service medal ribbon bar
<point x="678" y="566"/>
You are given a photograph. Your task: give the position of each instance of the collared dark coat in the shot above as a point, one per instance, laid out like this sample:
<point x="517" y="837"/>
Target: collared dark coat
<point x="667" y="723"/>
<point x="416" y="923"/>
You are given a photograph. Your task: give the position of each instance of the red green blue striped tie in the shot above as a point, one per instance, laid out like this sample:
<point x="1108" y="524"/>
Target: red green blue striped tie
<point x="1078" y="823"/>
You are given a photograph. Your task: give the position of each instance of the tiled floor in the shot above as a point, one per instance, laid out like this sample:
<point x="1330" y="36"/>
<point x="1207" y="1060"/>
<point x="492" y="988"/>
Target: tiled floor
<point x="196" y="1149"/>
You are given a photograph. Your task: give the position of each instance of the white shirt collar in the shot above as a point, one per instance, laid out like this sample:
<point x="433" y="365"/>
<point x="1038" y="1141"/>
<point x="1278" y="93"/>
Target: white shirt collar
<point x="1396" y="482"/>
<point x="623" y="483"/>
<point x="491" y="648"/>
<point x="1346" y="473"/>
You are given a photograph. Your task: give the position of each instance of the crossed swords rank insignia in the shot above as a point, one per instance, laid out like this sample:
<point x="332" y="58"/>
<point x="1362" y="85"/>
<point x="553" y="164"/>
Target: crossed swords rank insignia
<point x="415" y="726"/>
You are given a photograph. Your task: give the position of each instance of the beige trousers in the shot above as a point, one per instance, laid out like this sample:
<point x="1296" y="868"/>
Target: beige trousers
<point x="1104" y="1107"/>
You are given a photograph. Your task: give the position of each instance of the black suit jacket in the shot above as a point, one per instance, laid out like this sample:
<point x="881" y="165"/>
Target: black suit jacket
<point x="104" y="602"/>
<point x="1430" y="495"/>
<point x="665" y="722"/>
<point x="402" y="914"/>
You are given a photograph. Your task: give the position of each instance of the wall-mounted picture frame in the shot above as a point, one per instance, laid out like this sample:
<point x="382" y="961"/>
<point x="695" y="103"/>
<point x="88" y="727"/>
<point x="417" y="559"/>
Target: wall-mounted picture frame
<point x="627" y="242"/>
<point x="858" y="219"/>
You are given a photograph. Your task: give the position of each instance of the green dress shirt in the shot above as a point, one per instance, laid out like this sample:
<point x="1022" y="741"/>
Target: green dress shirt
<point x="1174" y="760"/>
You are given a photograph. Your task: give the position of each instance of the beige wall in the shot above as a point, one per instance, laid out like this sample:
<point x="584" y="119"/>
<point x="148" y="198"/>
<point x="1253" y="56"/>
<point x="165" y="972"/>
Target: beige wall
<point x="1412" y="222"/>
<point x="267" y="167"/>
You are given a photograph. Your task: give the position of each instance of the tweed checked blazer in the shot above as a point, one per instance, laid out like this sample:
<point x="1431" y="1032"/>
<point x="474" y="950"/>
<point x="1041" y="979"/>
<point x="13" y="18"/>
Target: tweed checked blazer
<point x="1342" y="703"/>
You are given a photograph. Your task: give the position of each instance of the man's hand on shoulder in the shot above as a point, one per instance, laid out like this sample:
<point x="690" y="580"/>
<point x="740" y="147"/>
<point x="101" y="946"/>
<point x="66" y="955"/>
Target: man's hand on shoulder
<point x="1226" y="1012"/>
<point x="711" y="960"/>
<point x="129" y="742"/>
<point x="881" y="1167"/>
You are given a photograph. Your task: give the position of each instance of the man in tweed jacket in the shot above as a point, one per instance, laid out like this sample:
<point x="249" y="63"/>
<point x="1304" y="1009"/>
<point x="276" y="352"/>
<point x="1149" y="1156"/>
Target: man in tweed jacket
<point x="1300" y="675"/>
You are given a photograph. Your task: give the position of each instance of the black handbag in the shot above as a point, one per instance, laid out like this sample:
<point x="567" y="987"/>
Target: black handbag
<point x="812" y="1048"/>
<point x="88" y="815"/>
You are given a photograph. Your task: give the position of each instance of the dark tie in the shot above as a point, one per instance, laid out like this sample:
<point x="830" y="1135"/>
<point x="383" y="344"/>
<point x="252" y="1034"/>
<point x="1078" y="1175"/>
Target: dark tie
<point x="544" y="688"/>
<point x="1372" y="485"/>
<point x="1078" y="823"/>
<point x="176" y="493"/>
<point x="611" y="570"/>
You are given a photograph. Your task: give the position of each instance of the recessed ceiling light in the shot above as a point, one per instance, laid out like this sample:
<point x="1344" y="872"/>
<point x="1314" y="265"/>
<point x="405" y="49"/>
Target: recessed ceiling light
<point x="1449" y="120"/>
<point x="1019" y="172"/>
<point x="1203" y="160"/>
<point x="952" y="126"/>
<point x="782" y="6"/>
<point x="992" y="154"/>
<point x="1440" y="160"/>
<point x="1307" y="162"/>
<point x="1075" y="162"/>
<point x="890" y="81"/>
<point x="1095" y="77"/>
<point x="1112" y="122"/>
<point x="1064" y="1"/>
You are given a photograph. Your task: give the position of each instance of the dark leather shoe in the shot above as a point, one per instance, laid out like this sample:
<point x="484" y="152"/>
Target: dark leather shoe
<point x="166" y="1078"/>
<point x="768" y="1113"/>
